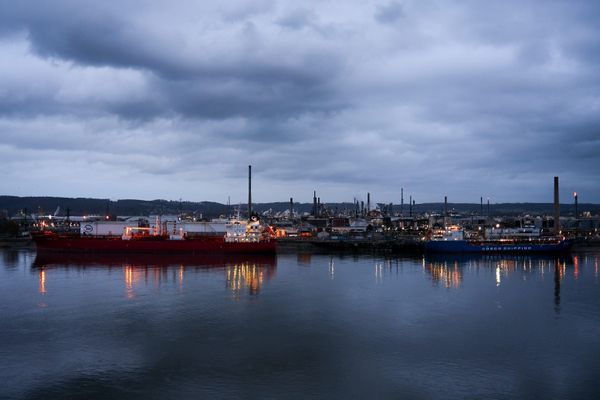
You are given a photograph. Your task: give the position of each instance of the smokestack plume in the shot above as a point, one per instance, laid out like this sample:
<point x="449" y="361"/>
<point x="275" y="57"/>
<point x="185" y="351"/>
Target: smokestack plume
<point x="556" y="207"/>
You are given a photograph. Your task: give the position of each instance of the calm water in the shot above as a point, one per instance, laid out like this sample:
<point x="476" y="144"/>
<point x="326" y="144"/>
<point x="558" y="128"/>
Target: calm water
<point x="299" y="326"/>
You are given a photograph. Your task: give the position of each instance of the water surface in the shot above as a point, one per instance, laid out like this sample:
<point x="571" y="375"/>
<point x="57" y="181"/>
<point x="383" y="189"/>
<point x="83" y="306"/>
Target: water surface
<point x="299" y="326"/>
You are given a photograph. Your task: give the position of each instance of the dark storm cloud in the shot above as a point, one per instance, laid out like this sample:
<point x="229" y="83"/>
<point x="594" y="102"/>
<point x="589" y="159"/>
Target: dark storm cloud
<point x="464" y="99"/>
<point x="212" y="87"/>
<point x="389" y="13"/>
<point x="297" y="19"/>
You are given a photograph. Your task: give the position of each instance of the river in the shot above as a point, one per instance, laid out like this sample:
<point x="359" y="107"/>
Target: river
<point x="299" y="326"/>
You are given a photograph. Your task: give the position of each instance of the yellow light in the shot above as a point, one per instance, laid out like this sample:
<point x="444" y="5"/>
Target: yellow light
<point x="42" y="288"/>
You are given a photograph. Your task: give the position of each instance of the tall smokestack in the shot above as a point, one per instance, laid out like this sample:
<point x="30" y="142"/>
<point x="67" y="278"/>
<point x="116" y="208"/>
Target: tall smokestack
<point x="556" y="207"/>
<point x="368" y="202"/>
<point x="445" y="206"/>
<point x="291" y="207"/>
<point x="314" y="209"/>
<point x="445" y="211"/>
<point x="401" y="200"/>
<point x="410" y="206"/>
<point x="249" y="191"/>
<point x="481" y="206"/>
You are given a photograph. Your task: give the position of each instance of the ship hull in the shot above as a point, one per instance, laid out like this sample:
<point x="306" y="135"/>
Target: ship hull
<point x="117" y="245"/>
<point x="490" y="247"/>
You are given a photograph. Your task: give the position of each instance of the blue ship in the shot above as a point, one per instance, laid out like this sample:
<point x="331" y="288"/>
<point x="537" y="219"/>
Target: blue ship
<point x="453" y="241"/>
<point x="499" y="246"/>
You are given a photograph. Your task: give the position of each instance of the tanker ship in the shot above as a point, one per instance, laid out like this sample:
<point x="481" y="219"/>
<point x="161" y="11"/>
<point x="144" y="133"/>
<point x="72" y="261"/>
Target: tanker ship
<point x="162" y="237"/>
<point x="165" y="236"/>
<point x="453" y="240"/>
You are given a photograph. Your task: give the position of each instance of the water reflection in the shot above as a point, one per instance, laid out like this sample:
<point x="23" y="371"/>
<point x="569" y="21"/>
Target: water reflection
<point x="385" y="269"/>
<point x="42" y="285"/>
<point x="558" y="276"/>
<point x="240" y="272"/>
<point x="304" y="259"/>
<point x="247" y="275"/>
<point x="331" y="268"/>
<point x="13" y="259"/>
<point x="446" y="272"/>
<point x="449" y="270"/>
<point x="391" y="322"/>
<point x="10" y="258"/>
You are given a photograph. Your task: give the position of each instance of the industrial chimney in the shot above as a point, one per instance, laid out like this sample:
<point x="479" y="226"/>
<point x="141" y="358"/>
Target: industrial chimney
<point x="556" y="208"/>
<point x="401" y="201"/>
<point x="445" y="211"/>
<point x="445" y="206"/>
<point x="249" y="191"/>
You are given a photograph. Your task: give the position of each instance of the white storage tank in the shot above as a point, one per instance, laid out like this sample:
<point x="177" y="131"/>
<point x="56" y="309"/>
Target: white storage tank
<point x="103" y="228"/>
<point x="193" y="228"/>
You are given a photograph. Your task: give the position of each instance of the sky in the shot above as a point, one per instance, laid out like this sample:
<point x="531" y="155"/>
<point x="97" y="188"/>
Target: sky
<point x="169" y="100"/>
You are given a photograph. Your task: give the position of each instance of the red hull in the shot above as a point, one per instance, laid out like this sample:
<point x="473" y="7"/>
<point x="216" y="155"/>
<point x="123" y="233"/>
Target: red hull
<point x="117" y="245"/>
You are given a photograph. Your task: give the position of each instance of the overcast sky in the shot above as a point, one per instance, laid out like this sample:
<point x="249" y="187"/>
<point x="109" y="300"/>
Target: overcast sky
<point x="136" y="99"/>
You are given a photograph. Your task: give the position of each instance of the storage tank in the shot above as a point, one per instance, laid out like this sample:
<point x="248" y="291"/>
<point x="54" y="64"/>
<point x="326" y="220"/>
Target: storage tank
<point x="103" y="228"/>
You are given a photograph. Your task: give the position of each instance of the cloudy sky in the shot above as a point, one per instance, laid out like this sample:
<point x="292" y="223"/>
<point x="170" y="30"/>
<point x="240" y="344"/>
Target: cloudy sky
<point x="153" y="99"/>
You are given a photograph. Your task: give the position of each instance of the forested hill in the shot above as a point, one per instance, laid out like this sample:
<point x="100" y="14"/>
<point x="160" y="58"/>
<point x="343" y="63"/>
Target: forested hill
<point x="85" y="206"/>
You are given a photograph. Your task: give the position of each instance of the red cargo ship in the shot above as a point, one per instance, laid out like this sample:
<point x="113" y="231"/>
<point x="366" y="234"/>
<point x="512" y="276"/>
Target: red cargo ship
<point x="239" y="238"/>
<point x="174" y="236"/>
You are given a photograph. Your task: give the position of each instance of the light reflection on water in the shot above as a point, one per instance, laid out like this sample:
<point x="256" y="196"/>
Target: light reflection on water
<point x="240" y="272"/>
<point x="449" y="270"/>
<point x="299" y="325"/>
